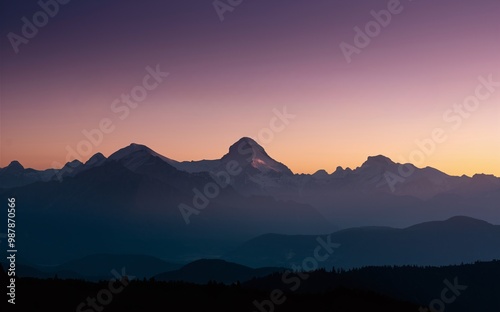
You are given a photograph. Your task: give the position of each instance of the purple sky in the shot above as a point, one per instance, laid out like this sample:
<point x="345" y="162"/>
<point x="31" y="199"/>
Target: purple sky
<point x="227" y="77"/>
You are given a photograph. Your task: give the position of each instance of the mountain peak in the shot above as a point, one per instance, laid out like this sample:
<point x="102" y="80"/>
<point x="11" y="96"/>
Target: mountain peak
<point x="246" y="141"/>
<point x="136" y="153"/>
<point x="247" y="150"/>
<point x="138" y="147"/>
<point x="14" y="167"/>
<point x="130" y="150"/>
<point x="321" y="174"/>
<point x="341" y="172"/>
<point x="246" y="146"/>
<point x="379" y="160"/>
<point x="96" y="159"/>
<point x="73" y="164"/>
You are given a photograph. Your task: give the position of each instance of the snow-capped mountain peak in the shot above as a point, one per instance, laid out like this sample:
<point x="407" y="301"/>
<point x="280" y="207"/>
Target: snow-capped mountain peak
<point x="247" y="150"/>
<point x="138" y="150"/>
<point x="134" y="155"/>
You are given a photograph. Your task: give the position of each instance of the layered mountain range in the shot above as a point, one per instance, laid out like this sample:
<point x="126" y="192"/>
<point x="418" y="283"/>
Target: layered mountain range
<point x="138" y="200"/>
<point x="264" y="175"/>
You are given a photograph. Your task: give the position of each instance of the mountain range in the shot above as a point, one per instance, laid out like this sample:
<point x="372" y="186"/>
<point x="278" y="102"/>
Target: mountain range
<point x="263" y="174"/>
<point x="139" y="201"/>
<point x="437" y="243"/>
<point x="98" y="267"/>
<point x="205" y="270"/>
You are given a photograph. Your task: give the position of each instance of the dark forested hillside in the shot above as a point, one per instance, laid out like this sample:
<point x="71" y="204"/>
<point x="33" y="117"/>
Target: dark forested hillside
<point x="471" y="287"/>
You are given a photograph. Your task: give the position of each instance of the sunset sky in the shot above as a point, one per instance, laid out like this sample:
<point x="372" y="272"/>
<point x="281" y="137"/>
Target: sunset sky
<point x="226" y="78"/>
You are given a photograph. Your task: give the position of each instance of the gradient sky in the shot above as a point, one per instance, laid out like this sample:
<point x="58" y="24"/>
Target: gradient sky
<point x="227" y="77"/>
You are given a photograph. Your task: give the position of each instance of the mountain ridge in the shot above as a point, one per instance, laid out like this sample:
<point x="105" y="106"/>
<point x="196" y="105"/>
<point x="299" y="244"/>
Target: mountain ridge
<point x="451" y="241"/>
<point x="260" y="174"/>
<point x="233" y="149"/>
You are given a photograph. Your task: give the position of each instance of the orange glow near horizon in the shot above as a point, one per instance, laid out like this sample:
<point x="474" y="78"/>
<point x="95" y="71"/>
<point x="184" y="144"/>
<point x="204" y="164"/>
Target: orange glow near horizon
<point x="227" y="78"/>
<point x="341" y="129"/>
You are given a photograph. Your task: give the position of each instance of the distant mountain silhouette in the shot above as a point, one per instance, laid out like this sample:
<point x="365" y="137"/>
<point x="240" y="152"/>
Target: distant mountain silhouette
<point x="203" y="271"/>
<point x="113" y="208"/>
<point x="246" y="152"/>
<point x="135" y="155"/>
<point x="98" y="267"/>
<point x="268" y="175"/>
<point x="131" y="201"/>
<point x="456" y="240"/>
<point x="15" y="175"/>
